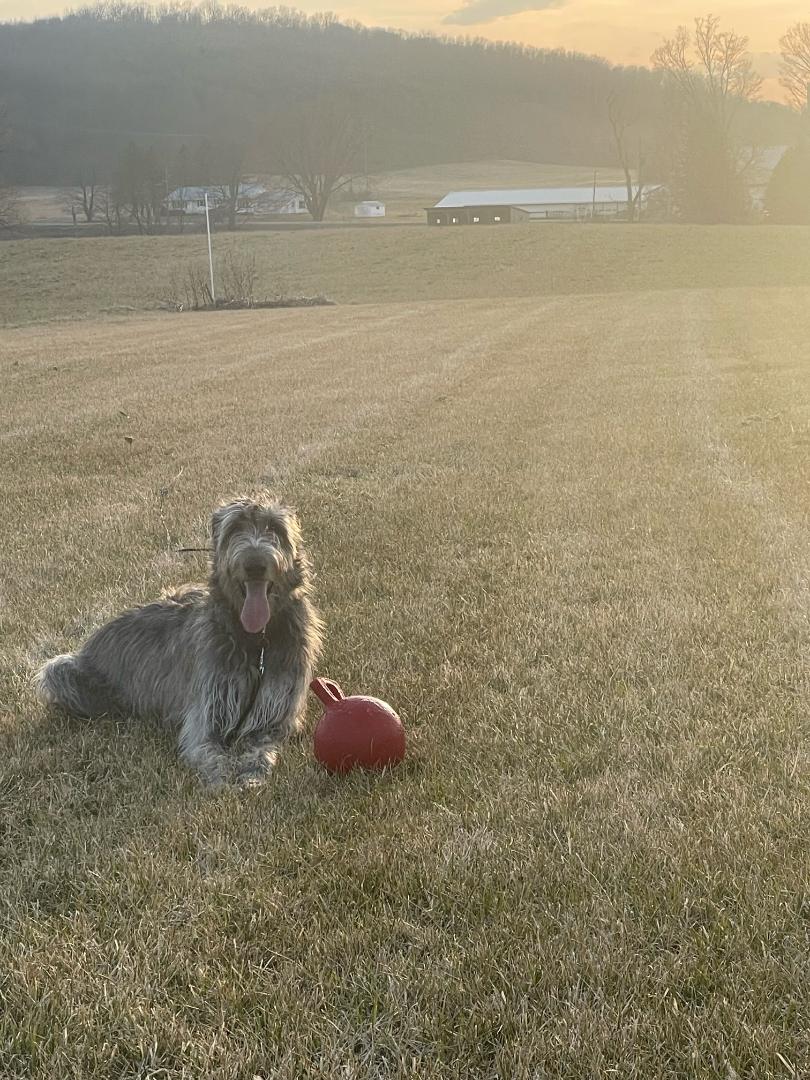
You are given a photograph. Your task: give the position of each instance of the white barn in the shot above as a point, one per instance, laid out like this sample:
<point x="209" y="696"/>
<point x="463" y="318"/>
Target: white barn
<point x="505" y="205"/>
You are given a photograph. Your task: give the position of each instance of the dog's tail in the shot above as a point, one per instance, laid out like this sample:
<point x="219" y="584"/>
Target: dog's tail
<point x="65" y="683"/>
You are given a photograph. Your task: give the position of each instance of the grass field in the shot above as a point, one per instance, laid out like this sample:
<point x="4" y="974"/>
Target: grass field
<point x="428" y="181"/>
<point x="564" y="529"/>
<point x="45" y="280"/>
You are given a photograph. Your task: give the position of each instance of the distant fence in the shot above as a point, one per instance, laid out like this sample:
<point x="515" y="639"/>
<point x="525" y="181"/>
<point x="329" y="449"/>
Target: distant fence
<point x="46" y="230"/>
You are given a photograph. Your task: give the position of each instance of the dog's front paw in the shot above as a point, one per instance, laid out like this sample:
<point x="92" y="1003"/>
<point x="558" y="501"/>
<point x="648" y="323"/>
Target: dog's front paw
<point x="217" y="779"/>
<point x="255" y="765"/>
<point x="211" y="766"/>
<point x="251" y="781"/>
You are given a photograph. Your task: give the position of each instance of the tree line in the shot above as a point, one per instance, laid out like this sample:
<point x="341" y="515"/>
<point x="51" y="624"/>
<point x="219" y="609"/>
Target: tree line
<point x="81" y="87"/>
<point x="124" y="102"/>
<point x="710" y="75"/>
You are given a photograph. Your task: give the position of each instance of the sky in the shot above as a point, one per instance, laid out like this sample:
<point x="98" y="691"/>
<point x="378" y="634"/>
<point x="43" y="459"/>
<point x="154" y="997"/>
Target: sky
<point x="624" y="31"/>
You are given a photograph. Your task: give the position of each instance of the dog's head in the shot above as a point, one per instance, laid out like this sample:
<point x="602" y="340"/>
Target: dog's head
<point x="256" y="556"/>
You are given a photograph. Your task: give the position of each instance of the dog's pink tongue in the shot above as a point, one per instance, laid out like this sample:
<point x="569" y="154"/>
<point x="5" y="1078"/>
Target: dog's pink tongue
<point x="255" y="610"/>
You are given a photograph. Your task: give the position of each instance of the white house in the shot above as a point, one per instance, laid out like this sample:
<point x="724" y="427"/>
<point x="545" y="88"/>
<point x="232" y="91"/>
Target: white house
<point x="279" y="201"/>
<point x="251" y="199"/>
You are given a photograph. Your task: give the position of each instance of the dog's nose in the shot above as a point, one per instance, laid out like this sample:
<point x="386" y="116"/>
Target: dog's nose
<point x="255" y="566"/>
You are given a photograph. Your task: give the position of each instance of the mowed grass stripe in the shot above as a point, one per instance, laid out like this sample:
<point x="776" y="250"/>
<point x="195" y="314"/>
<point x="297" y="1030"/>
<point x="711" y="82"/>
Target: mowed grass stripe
<point x="593" y="862"/>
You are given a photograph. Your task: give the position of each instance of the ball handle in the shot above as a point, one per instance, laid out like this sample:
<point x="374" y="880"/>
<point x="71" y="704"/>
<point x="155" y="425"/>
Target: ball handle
<point x="327" y="690"/>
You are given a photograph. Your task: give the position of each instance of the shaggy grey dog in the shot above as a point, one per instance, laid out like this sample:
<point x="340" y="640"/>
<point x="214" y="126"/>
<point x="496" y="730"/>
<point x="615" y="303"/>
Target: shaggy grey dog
<point x="227" y="664"/>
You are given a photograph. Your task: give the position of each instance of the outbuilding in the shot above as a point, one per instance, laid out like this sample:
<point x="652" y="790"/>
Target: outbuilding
<point x="369" y="208"/>
<point x="506" y="205"/>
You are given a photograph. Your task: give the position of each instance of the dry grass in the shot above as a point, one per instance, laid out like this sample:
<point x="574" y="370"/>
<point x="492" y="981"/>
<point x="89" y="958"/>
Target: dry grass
<point x="568" y="538"/>
<point x="70" y="279"/>
<point x="427" y="181"/>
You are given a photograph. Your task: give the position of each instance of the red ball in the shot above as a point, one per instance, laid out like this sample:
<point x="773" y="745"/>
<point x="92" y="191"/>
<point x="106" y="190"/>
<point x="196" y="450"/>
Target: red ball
<point x="356" y="731"/>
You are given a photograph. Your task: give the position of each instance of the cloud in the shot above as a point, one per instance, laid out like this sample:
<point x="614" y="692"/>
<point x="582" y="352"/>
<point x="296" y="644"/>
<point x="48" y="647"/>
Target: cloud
<point x="473" y="12"/>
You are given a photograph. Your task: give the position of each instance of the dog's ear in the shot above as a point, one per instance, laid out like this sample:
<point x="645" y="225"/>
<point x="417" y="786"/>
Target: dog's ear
<point x="292" y="527"/>
<point x="218" y="519"/>
<point x="300" y="570"/>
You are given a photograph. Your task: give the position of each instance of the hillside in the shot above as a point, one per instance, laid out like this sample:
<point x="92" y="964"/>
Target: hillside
<point x="78" y="89"/>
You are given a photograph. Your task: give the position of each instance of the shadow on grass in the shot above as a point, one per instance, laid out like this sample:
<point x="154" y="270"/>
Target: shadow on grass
<point x="84" y="767"/>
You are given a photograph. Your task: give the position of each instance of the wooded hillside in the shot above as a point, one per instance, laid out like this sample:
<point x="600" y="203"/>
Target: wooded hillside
<point x="79" y="89"/>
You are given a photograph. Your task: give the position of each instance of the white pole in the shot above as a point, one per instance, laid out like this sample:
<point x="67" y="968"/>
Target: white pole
<point x="593" y="204"/>
<point x="210" y="256"/>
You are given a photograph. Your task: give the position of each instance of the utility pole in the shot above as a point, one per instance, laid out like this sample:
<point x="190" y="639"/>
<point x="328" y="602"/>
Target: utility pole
<point x="210" y="256"/>
<point x="593" y="204"/>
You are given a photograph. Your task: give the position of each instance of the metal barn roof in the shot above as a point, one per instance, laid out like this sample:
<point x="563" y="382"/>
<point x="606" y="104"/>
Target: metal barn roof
<point x="529" y="197"/>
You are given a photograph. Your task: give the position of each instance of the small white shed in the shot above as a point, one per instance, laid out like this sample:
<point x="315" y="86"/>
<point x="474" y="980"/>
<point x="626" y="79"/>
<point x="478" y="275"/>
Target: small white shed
<point x="369" y="208"/>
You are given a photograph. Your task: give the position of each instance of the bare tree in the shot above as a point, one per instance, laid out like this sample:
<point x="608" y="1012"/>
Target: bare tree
<point x="230" y="166"/>
<point x="84" y="195"/>
<point x="795" y="69"/>
<point x="711" y="67"/>
<point x="9" y="206"/>
<point x="319" y="149"/>
<point x="109" y="208"/>
<point x="712" y="74"/>
<point x="139" y="188"/>
<point x="622" y="117"/>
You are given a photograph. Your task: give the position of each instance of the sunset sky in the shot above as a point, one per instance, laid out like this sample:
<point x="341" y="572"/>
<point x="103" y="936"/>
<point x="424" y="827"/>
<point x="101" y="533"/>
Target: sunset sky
<point x="622" y="30"/>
